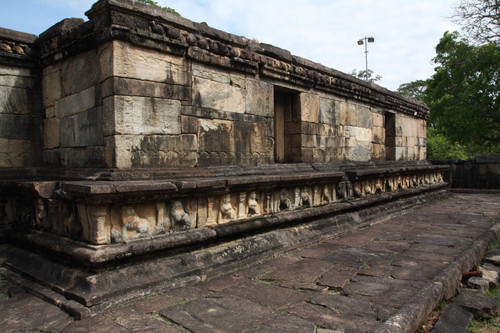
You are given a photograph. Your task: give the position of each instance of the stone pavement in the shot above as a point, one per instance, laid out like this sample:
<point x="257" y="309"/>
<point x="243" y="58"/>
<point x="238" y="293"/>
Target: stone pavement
<point x="380" y="278"/>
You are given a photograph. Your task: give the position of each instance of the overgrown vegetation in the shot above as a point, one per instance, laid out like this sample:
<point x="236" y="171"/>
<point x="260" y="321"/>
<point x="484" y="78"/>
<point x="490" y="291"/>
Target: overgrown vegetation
<point x="155" y="4"/>
<point x="464" y="92"/>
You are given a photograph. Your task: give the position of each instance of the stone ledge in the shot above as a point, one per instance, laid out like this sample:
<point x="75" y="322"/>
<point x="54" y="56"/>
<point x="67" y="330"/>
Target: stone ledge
<point x="100" y="289"/>
<point x="90" y="255"/>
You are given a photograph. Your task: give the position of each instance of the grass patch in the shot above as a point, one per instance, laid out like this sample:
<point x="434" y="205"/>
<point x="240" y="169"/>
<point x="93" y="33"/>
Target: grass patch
<point x="488" y="324"/>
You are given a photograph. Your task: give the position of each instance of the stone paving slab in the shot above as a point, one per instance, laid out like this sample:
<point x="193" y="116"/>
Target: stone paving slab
<point x="353" y="283"/>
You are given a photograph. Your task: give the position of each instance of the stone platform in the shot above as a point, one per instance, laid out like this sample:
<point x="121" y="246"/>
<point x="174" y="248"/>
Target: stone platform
<point x="385" y="276"/>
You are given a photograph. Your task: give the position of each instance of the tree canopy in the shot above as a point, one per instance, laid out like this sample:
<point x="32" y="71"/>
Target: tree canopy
<point x="464" y="92"/>
<point x="368" y="76"/>
<point x="464" y="98"/>
<point x="155" y="4"/>
<point x="480" y="20"/>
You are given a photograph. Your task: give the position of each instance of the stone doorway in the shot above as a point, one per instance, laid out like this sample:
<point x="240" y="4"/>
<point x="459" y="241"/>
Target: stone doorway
<point x="390" y="136"/>
<point x="287" y="130"/>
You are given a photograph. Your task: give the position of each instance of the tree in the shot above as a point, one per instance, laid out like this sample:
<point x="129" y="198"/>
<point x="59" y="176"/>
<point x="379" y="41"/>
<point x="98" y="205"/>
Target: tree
<point x="415" y="89"/>
<point x="365" y="75"/>
<point x="155" y="4"/>
<point x="464" y="92"/>
<point x="439" y="147"/>
<point x="480" y="20"/>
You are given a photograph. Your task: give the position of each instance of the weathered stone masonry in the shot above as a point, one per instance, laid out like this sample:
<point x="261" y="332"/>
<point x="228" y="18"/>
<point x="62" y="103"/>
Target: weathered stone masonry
<point x="139" y="131"/>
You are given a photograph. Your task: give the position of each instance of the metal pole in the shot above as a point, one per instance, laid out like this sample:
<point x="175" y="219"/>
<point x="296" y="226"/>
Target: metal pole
<point x="366" y="57"/>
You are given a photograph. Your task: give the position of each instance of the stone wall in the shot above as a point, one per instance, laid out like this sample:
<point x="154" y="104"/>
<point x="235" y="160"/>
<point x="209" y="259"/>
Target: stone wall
<point x="20" y="108"/>
<point x="483" y="172"/>
<point x="138" y="87"/>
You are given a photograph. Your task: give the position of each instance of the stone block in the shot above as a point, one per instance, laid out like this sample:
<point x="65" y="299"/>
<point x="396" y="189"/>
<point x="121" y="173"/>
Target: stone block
<point x="400" y="153"/>
<point x="134" y="87"/>
<point x="379" y="135"/>
<point x="228" y="78"/>
<point x="76" y="103"/>
<point x="219" y="96"/>
<point x="50" y="112"/>
<point x="326" y="130"/>
<point x="327" y="111"/>
<point x="105" y="56"/>
<point x="400" y="141"/>
<point x="80" y="157"/>
<point x="351" y="142"/>
<point x="361" y="134"/>
<point x="17" y="81"/>
<point x="51" y="133"/>
<point x="477" y="304"/>
<point x="189" y="124"/>
<point x="216" y="136"/>
<point x="378" y="151"/>
<point x="307" y="155"/>
<point x="490" y="275"/>
<point x="253" y="140"/>
<point x="453" y="319"/>
<point x="259" y="98"/>
<point x="361" y="153"/>
<point x="14" y="71"/>
<point x="378" y="120"/>
<point x="147" y="64"/>
<point x="51" y="85"/>
<point x="18" y="153"/>
<point x="79" y="72"/>
<point x="411" y="141"/>
<point x="364" y="117"/>
<point x="309" y="107"/>
<point x="137" y="151"/>
<point x="20" y="127"/>
<point x="341" y="111"/>
<point x="16" y="100"/>
<point x="352" y="115"/>
<point x="142" y="115"/>
<point x="308" y="141"/>
<point x="83" y="129"/>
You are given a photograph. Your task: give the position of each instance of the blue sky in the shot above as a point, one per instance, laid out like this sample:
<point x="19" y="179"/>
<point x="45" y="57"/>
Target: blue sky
<point x="326" y="31"/>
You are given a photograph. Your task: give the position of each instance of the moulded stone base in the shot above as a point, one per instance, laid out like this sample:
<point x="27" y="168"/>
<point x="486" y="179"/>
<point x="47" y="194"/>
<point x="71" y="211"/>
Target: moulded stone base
<point x="148" y="272"/>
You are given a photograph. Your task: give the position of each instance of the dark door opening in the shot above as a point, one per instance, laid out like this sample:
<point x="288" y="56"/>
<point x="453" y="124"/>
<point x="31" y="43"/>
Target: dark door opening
<point x="390" y="136"/>
<point x="287" y="131"/>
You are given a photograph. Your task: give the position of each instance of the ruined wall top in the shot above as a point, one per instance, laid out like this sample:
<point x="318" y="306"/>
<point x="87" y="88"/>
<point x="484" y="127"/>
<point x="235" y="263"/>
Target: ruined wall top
<point x="16" y="48"/>
<point x="154" y="28"/>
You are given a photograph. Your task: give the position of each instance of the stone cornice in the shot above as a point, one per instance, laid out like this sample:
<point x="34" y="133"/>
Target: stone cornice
<point x="16" y="48"/>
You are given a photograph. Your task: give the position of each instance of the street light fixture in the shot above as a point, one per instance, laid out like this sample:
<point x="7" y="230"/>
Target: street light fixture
<point x="365" y="41"/>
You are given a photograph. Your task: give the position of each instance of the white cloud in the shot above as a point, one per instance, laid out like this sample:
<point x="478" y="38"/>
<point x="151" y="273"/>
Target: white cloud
<point x="405" y="32"/>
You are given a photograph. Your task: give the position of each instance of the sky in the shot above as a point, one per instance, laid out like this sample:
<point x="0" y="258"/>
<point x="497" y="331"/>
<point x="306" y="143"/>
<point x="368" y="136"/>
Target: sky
<point x="406" y="32"/>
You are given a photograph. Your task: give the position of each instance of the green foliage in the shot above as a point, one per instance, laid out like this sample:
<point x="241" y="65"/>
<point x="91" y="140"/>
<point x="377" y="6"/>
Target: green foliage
<point x="366" y="75"/>
<point x="415" y="89"/>
<point x="439" y="147"/>
<point x="155" y="4"/>
<point x="464" y="93"/>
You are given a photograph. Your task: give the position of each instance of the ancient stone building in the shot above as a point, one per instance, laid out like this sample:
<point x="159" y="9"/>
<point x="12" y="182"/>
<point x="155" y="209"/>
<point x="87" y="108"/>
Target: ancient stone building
<point x="139" y="132"/>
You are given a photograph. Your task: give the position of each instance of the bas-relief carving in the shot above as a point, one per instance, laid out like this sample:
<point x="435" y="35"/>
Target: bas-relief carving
<point x="305" y="198"/>
<point x="284" y="201"/>
<point x="105" y="224"/>
<point x="226" y="211"/>
<point x="180" y="219"/>
<point x="253" y="207"/>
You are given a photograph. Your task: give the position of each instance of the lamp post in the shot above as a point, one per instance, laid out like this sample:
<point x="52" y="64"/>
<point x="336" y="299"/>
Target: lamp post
<point x="365" y="41"/>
